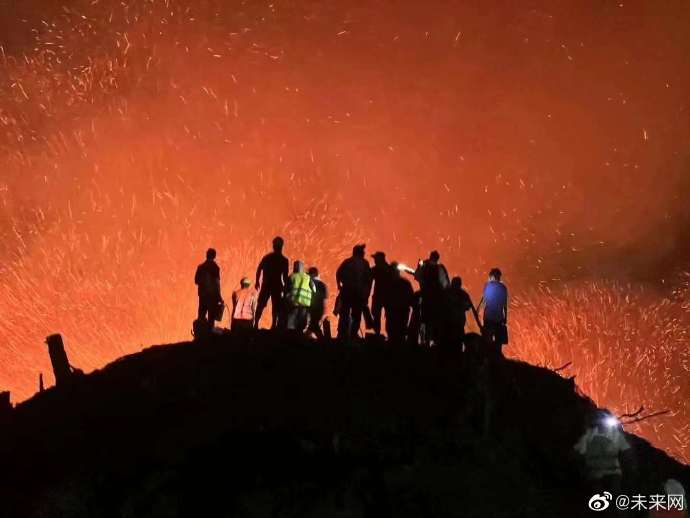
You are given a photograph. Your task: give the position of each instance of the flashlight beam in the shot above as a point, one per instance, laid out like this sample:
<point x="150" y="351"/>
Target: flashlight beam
<point x="404" y="268"/>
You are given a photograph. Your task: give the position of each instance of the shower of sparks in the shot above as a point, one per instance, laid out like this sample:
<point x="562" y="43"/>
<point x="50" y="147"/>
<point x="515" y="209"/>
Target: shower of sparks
<point x="628" y="348"/>
<point x="134" y="134"/>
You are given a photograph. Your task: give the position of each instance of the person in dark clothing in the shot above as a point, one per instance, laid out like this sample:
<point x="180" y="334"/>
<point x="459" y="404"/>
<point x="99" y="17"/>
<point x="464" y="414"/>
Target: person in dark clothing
<point x="271" y="282"/>
<point x="399" y="305"/>
<point x="414" y="331"/>
<point x="495" y="301"/>
<point x="207" y="278"/>
<point x="353" y="278"/>
<point x="381" y="276"/>
<point x="458" y="304"/>
<point x="433" y="282"/>
<point x="318" y="303"/>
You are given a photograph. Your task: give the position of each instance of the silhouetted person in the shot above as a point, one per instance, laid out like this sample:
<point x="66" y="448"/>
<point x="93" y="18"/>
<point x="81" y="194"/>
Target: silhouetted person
<point x="495" y="301"/>
<point x="300" y="291"/>
<point x="272" y="278"/>
<point x="414" y="331"/>
<point x="381" y="275"/>
<point x="458" y="304"/>
<point x="207" y="278"/>
<point x="354" y="282"/>
<point x="399" y="305"/>
<point x="244" y="303"/>
<point x="318" y="303"/>
<point x="433" y="282"/>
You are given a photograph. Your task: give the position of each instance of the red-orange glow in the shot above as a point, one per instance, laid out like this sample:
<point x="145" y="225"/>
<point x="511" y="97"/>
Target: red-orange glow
<point x="550" y="140"/>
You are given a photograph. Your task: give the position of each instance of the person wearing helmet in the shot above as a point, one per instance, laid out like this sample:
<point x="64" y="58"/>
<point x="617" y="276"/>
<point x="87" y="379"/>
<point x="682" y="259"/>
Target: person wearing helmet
<point x="271" y="282"/>
<point x="244" y="303"/>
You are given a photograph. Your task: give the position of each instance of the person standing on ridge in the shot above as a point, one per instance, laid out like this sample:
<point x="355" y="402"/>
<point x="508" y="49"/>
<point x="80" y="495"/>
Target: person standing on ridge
<point x="459" y="303"/>
<point x="271" y="282"/>
<point x="495" y="301"/>
<point x="353" y="278"/>
<point x="244" y="303"/>
<point x="381" y="274"/>
<point x="433" y="283"/>
<point x="207" y="278"/>
<point x="399" y="306"/>
<point x="318" y="303"/>
<point x="300" y="291"/>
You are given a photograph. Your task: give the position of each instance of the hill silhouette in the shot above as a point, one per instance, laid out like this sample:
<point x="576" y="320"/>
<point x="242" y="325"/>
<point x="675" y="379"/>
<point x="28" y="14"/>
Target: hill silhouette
<point x="272" y="425"/>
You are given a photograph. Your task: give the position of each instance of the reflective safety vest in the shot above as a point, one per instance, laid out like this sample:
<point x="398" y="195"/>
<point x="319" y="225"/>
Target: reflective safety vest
<point x="300" y="293"/>
<point x="244" y="301"/>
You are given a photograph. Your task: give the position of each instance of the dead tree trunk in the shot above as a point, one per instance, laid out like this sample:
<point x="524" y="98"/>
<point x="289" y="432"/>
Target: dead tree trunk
<point x="58" y="358"/>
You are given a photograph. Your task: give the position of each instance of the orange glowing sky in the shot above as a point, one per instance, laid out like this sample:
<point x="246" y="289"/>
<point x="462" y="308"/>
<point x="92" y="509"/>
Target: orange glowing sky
<point x="550" y="138"/>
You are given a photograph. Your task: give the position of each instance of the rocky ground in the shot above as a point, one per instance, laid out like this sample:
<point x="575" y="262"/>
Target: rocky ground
<point x="275" y="426"/>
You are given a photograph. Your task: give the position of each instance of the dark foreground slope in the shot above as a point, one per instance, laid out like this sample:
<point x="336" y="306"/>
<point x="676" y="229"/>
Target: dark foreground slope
<point x="267" y="427"/>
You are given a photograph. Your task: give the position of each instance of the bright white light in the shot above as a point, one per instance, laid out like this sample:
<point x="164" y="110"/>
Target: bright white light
<point x="611" y="422"/>
<point x="404" y="268"/>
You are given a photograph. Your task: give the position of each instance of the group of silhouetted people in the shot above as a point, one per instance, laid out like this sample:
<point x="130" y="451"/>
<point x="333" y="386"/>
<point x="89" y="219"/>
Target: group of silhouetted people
<point x="435" y="314"/>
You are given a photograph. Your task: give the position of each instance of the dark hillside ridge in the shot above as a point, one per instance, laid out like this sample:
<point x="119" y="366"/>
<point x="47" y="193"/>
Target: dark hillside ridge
<point x="274" y="426"/>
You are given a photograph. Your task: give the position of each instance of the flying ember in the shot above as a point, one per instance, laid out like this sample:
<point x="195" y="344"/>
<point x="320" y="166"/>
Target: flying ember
<point x="136" y="134"/>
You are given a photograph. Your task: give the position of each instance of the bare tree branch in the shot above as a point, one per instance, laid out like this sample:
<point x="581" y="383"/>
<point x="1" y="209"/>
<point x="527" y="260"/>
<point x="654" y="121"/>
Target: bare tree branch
<point x="634" y="414"/>
<point x="655" y="414"/>
<point x="563" y="367"/>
